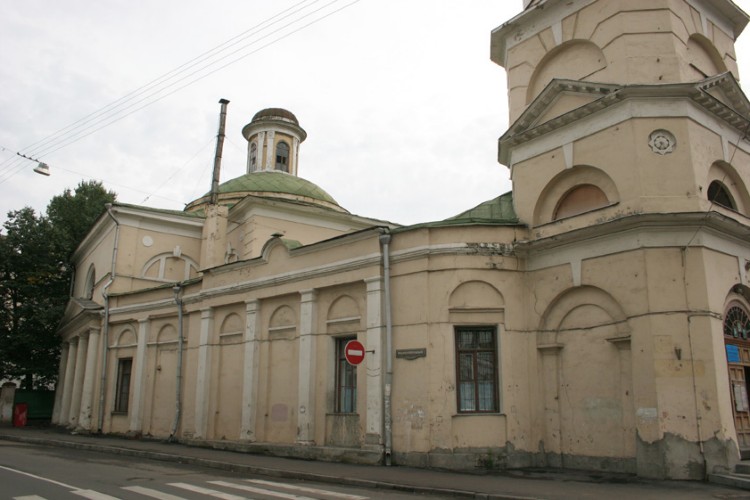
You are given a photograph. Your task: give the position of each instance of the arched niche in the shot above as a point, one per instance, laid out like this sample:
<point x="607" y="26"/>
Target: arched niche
<point x="578" y="189"/>
<point x="232" y="324"/>
<point x="167" y="333"/>
<point x="725" y="187"/>
<point x="283" y="318"/>
<point x="88" y="287"/>
<point x="126" y="338"/>
<point x="475" y="295"/>
<point x="476" y="302"/>
<point x="572" y="60"/>
<point x="580" y="199"/>
<point x="582" y="308"/>
<point x="344" y="315"/>
<point x="343" y="307"/>
<point x="702" y="58"/>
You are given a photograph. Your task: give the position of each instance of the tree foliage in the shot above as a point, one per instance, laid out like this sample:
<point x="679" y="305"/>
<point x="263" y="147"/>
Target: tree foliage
<point x="35" y="274"/>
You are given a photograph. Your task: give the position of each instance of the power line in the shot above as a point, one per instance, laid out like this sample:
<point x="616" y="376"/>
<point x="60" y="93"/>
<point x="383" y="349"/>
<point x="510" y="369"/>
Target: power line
<point x="110" y="114"/>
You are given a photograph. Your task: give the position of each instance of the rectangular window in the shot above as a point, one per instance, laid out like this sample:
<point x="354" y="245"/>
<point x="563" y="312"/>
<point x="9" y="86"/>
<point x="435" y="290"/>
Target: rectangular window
<point x="122" y="393"/>
<point x="476" y="369"/>
<point x="346" y="380"/>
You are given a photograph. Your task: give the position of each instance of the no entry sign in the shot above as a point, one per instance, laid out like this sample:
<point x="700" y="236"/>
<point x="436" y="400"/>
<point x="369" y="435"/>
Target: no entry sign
<point x="354" y="352"/>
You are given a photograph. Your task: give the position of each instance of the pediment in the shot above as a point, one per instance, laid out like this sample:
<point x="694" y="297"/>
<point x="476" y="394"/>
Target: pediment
<point x="558" y="98"/>
<point x="79" y="312"/>
<point x="725" y="89"/>
<point x="555" y="107"/>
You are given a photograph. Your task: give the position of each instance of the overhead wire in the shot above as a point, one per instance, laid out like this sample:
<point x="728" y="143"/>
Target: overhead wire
<point x="98" y="120"/>
<point x="111" y="107"/>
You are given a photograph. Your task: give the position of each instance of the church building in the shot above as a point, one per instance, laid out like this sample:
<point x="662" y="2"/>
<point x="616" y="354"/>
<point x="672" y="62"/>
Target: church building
<point x="596" y="317"/>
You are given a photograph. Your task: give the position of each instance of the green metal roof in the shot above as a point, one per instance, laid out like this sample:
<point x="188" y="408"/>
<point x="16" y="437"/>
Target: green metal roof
<point x="275" y="182"/>
<point x="269" y="184"/>
<point x="497" y="210"/>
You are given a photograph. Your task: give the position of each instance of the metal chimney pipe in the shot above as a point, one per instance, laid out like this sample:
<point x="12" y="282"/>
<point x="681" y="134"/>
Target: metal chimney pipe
<point x="219" y="149"/>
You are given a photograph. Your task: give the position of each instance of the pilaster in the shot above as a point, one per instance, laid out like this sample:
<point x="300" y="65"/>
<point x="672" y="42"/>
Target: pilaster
<point x="70" y="367"/>
<point x="374" y="340"/>
<point x="250" y="372"/>
<point x="60" y="388"/>
<point x="136" y="411"/>
<point x="75" y="404"/>
<point x="202" y="384"/>
<point x="307" y="353"/>
<point x="89" y="376"/>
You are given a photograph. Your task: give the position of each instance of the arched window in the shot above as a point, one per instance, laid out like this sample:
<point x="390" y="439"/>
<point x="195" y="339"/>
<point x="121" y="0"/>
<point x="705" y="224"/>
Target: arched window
<point x="719" y="194"/>
<point x="736" y="323"/>
<point x="282" y="156"/>
<point x="580" y="199"/>
<point x="253" y="156"/>
<point x="88" y="290"/>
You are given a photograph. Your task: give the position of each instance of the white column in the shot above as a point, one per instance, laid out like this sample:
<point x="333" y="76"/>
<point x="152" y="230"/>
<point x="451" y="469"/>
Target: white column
<point x="261" y="161"/>
<point x="70" y="367"/>
<point x="307" y="354"/>
<point x="136" y="410"/>
<point x="89" y="376"/>
<point x="75" y="403"/>
<point x="270" y="151"/>
<point x="250" y="370"/>
<point x="293" y="156"/>
<point x="203" y="377"/>
<point x="374" y="343"/>
<point x="60" y="387"/>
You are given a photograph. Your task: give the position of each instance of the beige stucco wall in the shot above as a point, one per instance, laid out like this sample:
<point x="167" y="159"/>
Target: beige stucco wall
<point x="623" y="42"/>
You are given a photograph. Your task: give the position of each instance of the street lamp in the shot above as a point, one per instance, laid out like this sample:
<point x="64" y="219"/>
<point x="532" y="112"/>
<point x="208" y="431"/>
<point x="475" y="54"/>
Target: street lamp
<point x="42" y="169"/>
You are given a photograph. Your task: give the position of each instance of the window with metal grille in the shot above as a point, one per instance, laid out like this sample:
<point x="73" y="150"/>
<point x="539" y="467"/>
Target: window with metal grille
<point x="346" y="379"/>
<point x="122" y="394"/>
<point x="476" y="369"/>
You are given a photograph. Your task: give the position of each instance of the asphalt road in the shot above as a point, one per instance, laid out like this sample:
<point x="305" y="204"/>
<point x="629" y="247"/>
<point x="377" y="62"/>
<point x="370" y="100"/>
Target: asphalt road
<point x="31" y="472"/>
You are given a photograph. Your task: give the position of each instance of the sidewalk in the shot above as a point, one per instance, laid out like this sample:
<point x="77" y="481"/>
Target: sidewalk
<point x="548" y="484"/>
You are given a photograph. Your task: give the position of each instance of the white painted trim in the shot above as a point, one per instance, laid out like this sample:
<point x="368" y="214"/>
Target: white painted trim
<point x="622" y="112"/>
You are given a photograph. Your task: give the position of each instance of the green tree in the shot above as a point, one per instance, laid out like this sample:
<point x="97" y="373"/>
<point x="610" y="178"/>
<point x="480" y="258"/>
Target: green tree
<point x="72" y="214"/>
<point x="35" y="275"/>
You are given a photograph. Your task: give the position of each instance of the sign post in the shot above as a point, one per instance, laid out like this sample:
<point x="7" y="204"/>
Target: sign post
<point x="354" y="352"/>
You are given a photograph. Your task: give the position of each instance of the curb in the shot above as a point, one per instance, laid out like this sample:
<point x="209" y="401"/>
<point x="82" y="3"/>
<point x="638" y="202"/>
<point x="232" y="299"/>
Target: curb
<point x="264" y="471"/>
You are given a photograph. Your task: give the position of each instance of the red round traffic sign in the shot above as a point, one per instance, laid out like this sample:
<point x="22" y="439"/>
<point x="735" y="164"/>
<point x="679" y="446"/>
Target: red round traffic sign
<point x="354" y="352"/>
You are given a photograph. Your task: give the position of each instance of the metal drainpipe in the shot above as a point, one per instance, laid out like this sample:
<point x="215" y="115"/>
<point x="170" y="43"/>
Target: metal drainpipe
<point x="385" y="240"/>
<point x="105" y="329"/>
<point x="177" y="289"/>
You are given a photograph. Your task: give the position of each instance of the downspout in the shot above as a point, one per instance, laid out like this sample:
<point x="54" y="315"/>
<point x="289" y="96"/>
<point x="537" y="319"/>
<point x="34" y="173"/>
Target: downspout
<point x="177" y="289"/>
<point x="105" y="329"/>
<point x="385" y="240"/>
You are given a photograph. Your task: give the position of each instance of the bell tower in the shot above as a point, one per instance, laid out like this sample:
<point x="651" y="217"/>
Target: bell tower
<point x="621" y="107"/>
<point x="273" y="137"/>
<point x="629" y="154"/>
<point x="615" y="41"/>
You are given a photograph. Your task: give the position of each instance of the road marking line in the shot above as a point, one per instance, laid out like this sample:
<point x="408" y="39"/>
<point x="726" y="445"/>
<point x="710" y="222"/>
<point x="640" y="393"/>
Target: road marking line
<point x="307" y="490"/>
<point x="206" y="491"/>
<point x="39" y="477"/>
<point x="260" y="491"/>
<point x="30" y="497"/>
<point x="93" y="495"/>
<point x="152" y="493"/>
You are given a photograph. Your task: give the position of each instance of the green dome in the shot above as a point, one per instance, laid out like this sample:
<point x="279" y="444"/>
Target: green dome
<point x="271" y="184"/>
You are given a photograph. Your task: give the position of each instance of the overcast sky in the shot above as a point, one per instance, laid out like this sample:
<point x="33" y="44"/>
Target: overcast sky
<point x="400" y="101"/>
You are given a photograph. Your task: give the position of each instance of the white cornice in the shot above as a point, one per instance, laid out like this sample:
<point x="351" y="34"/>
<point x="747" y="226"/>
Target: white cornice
<point x="661" y="101"/>
<point x="676" y="230"/>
